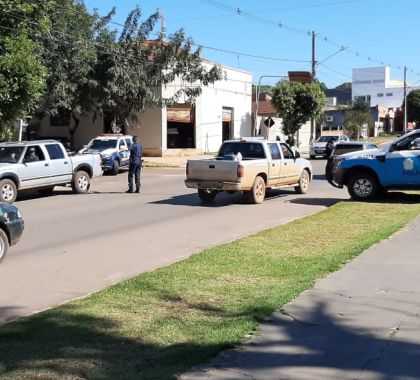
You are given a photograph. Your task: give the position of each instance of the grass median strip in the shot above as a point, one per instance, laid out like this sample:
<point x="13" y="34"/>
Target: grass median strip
<point x="159" y="324"/>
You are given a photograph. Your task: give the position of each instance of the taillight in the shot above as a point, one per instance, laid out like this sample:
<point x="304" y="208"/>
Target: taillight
<point x="240" y="171"/>
<point x="186" y="169"/>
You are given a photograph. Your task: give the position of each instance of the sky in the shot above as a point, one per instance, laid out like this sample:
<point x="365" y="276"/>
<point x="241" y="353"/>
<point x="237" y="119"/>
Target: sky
<point x="269" y="38"/>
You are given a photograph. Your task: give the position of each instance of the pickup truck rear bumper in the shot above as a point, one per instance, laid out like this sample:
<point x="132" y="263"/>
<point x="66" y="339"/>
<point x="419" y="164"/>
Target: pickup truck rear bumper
<point x="214" y="185"/>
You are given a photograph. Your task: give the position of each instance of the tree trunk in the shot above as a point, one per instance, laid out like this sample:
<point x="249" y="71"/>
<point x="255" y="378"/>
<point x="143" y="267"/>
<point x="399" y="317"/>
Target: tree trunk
<point x="73" y="130"/>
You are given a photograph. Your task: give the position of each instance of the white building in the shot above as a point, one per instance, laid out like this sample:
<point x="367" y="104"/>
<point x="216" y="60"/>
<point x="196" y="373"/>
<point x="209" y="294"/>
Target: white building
<point x="222" y="111"/>
<point x="374" y="85"/>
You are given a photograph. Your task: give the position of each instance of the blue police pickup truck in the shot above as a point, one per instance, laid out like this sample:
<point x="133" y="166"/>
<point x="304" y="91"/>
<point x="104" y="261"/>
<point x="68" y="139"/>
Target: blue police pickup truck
<point x="114" y="151"/>
<point x="369" y="173"/>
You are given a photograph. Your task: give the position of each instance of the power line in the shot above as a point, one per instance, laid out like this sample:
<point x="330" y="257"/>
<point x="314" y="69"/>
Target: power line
<point x="279" y="24"/>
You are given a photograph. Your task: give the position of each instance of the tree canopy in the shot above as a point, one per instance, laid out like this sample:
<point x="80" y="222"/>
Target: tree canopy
<point x="413" y="107"/>
<point x="357" y="116"/>
<point x="22" y="74"/>
<point x="297" y="103"/>
<point x="56" y="57"/>
<point x="344" y="86"/>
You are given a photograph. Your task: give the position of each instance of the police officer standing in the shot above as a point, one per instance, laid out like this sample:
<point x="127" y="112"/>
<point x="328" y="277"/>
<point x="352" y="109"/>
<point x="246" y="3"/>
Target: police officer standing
<point x="135" y="165"/>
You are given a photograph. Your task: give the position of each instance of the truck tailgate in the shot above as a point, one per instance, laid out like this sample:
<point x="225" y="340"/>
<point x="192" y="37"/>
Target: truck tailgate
<point x="213" y="170"/>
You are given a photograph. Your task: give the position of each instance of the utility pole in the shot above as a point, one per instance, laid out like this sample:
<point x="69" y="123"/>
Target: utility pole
<point x="312" y="137"/>
<point x="405" y="100"/>
<point x="313" y="55"/>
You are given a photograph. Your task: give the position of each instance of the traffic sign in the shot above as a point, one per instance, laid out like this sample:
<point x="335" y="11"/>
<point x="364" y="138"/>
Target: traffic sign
<point x="269" y="122"/>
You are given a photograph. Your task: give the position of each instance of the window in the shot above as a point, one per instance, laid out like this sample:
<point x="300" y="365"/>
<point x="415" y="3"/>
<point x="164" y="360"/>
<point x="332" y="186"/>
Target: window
<point x="287" y="153"/>
<point x="247" y="149"/>
<point x="54" y="151"/>
<point x="128" y="141"/>
<point x="380" y="95"/>
<point x="33" y="154"/>
<point x="389" y="94"/>
<point x="274" y="151"/>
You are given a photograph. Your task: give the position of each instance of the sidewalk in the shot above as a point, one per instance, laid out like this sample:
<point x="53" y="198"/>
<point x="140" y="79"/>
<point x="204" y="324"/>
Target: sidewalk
<point x="362" y="322"/>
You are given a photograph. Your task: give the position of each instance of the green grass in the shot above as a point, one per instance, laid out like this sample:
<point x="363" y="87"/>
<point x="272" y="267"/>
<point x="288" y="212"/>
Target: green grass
<point x="159" y="324"/>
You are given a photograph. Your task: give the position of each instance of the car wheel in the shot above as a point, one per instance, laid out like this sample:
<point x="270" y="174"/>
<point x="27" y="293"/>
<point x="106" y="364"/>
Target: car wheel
<point x="115" y="167"/>
<point x="81" y="182"/>
<point x="8" y="191"/>
<point x="257" y="193"/>
<point x="207" y="195"/>
<point x="363" y="187"/>
<point x="304" y="181"/>
<point x="4" y="245"/>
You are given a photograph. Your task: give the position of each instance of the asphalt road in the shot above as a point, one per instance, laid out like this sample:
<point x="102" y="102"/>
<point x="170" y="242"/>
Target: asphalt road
<point x="77" y="244"/>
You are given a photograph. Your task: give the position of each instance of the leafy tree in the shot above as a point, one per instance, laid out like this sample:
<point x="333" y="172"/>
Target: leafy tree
<point x="131" y="68"/>
<point x="69" y="53"/>
<point x="413" y="107"/>
<point x="357" y="116"/>
<point x="22" y="75"/>
<point x="344" y="86"/>
<point x="297" y="103"/>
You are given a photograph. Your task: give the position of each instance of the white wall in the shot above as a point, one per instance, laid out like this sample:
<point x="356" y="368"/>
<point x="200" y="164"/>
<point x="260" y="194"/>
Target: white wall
<point x="374" y="81"/>
<point x="233" y="92"/>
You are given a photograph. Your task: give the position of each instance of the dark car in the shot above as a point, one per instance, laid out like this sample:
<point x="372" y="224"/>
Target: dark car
<point x="11" y="227"/>
<point x="343" y="148"/>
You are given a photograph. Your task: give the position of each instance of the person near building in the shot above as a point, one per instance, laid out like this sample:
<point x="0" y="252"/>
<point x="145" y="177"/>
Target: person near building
<point x="135" y="165"/>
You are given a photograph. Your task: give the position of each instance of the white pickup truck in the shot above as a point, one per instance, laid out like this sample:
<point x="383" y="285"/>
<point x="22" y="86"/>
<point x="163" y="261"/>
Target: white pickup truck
<point x="42" y="165"/>
<point x="250" y="166"/>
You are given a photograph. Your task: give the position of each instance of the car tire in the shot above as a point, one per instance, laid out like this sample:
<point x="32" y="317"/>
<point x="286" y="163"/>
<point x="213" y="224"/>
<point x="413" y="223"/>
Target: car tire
<point x="363" y="187"/>
<point x="206" y="195"/>
<point x="257" y="193"/>
<point x="81" y="182"/>
<point x="304" y="181"/>
<point x="115" y="167"/>
<point x="4" y="245"/>
<point x="8" y="191"/>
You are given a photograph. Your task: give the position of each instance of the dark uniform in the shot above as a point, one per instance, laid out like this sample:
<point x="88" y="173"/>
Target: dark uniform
<point x="135" y="166"/>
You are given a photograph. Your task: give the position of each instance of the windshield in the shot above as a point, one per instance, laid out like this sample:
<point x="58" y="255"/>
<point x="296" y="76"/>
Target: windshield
<point x="10" y="154"/>
<point x="102" y="144"/>
<point x="327" y="138"/>
<point x="247" y="149"/>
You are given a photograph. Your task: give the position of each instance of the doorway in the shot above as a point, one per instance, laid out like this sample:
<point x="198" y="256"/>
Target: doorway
<point x="180" y="126"/>
<point x="227" y="123"/>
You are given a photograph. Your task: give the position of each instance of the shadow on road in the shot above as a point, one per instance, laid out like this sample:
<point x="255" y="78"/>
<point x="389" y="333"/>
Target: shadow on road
<point x="327" y="202"/>
<point x="222" y="199"/>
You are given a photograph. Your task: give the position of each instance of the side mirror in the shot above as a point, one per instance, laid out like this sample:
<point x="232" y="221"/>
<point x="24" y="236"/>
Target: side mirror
<point x="297" y="155"/>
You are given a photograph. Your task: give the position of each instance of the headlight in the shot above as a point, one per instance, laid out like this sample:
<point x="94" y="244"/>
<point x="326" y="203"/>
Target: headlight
<point x="338" y="162"/>
<point x="105" y="155"/>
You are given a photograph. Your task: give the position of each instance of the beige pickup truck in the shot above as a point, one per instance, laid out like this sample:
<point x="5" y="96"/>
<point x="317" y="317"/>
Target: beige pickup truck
<point x="250" y="166"/>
